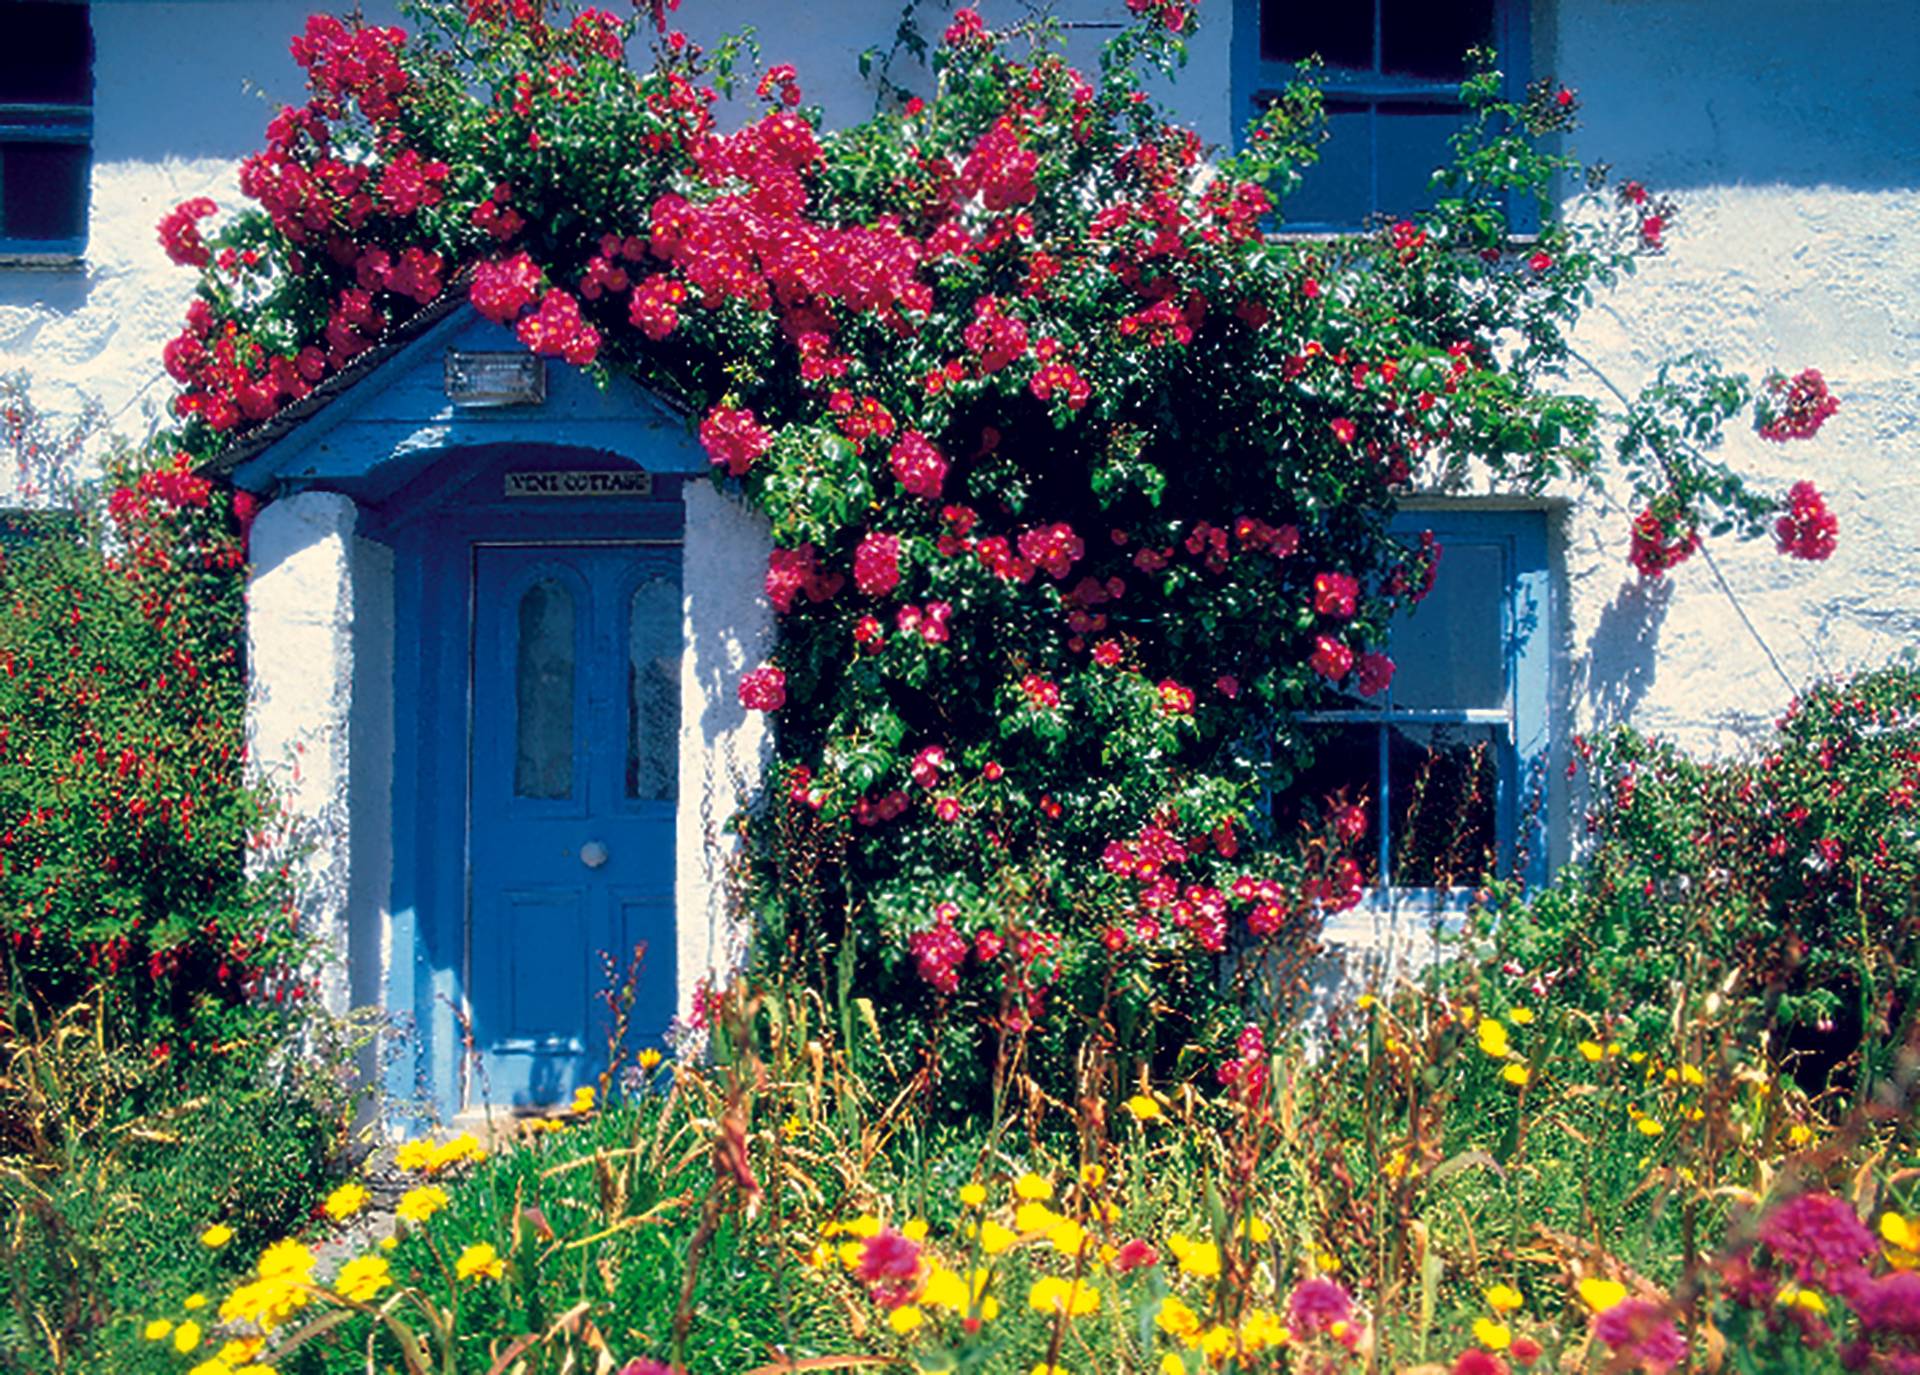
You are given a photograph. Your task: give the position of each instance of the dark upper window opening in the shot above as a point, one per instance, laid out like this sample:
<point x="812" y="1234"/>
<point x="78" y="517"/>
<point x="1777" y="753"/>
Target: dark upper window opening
<point x="46" y="128"/>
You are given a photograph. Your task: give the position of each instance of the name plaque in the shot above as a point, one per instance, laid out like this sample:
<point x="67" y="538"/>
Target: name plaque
<point x="627" y="482"/>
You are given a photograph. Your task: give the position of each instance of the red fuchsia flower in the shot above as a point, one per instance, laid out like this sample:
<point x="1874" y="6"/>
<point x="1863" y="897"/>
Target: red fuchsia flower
<point x="1540" y="262"/>
<point x="1107" y="653"/>
<point x="1640" y="1331"/>
<point x="1889" y="1312"/>
<point x="1808" y="530"/>
<point x="764" y="689"/>
<point x="876" y="563"/>
<point x="994" y="338"/>
<point x="600" y="33"/>
<point x="1335" y="594"/>
<point x="556" y="329"/>
<point x="409" y="185"/>
<point x="1175" y="699"/>
<point x="782" y="80"/>
<point x="791" y="572"/>
<point x="890" y="805"/>
<point x="641" y="1365"/>
<point x="869" y="633"/>
<point x="1063" y="379"/>
<point x="888" y="1264"/>
<point x="1525" y="1351"/>
<point x="1478" y="1362"/>
<point x="1053" y="548"/>
<point x="947" y="809"/>
<point x="501" y="290"/>
<point x="1331" y="658"/>
<point x="496" y="217"/>
<point x="655" y="306"/>
<point x="1227" y="686"/>
<point x="1343" y="430"/>
<point x="939" y="951"/>
<point x="928" y="766"/>
<point x="1134" y="1254"/>
<point x="180" y="232"/>
<point x="920" y="466"/>
<point x="1375" y="675"/>
<point x="1041" y="693"/>
<point x="1652" y="230"/>
<point x="1349" y="822"/>
<point x="967" y="27"/>
<point x="733" y="439"/>
<point x="1660" y="542"/>
<point x="1794" y="408"/>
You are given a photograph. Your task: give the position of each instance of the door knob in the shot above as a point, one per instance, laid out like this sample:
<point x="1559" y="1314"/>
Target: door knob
<point x="593" y="854"/>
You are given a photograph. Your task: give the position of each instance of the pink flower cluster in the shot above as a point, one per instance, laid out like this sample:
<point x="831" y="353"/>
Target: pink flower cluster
<point x="876" y="563"/>
<point x="919" y="465"/>
<point x="791" y="572"/>
<point x="1795" y="408"/>
<point x="733" y="439"/>
<point x="939" y="951"/>
<point x="1052" y="548"/>
<point x="358" y="63"/>
<point x="557" y="329"/>
<point x="1659" y="542"/>
<point x="1807" y="530"/>
<point x="764" y="689"/>
<point x="180" y="232"/>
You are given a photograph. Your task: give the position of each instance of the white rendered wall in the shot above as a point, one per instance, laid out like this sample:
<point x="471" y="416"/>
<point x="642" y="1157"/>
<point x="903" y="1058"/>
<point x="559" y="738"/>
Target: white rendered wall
<point x="300" y="656"/>
<point x="1790" y="134"/>
<point x="724" y="748"/>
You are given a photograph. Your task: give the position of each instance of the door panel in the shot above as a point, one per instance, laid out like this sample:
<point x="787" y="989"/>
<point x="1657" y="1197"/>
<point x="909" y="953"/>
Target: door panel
<point x="574" y="770"/>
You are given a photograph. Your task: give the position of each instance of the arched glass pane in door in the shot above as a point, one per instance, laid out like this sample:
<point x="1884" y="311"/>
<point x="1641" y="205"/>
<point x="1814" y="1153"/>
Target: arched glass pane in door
<point x="653" y="691"/>
<point x="543" y="686"/>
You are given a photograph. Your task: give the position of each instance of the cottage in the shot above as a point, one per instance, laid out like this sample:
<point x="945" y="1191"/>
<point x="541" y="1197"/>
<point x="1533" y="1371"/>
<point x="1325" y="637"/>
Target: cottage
<point x="497" y="612"/>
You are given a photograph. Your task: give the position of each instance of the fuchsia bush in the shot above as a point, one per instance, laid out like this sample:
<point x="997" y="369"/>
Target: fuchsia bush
<point x="1077" y="476"/>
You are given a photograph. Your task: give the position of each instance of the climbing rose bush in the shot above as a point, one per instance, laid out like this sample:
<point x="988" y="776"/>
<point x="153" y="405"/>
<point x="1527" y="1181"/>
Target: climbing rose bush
<point x="1079" y="480"/>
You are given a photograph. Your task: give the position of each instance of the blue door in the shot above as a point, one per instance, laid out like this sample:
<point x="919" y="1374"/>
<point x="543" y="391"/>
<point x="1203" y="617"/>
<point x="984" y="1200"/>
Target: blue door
<point x="575" y="752"/>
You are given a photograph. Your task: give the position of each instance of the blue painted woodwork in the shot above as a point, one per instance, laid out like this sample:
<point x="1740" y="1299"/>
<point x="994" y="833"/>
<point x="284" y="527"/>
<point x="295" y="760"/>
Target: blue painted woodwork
<point x="395" y="424"/>
<point x="570" y="868"/>
<point x="434" y="524"/>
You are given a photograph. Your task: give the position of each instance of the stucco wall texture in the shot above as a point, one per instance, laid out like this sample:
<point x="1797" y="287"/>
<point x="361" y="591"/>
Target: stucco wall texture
<point x="1788" y="130"/>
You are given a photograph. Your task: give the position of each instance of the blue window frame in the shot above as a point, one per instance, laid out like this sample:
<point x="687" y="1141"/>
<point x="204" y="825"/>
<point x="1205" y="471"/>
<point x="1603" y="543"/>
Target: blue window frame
<point x="1452" y="760"/>
<point x="1391" y="77"/>
<point x="46" y="128"/>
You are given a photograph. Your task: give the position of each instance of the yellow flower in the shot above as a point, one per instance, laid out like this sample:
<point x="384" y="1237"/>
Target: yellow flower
<point x="1494" y="1336"/>
<point x="479" y="1259"/>
<point x="157" y="1330"/>
<point x="1052" y="1294"/>
<point x="1365" y="1002"/>
<point x="1599" y="1294"/>
<point x="1069" y="1238"/>
<point x="866" y="1226"/>
<point x="1799" y="1134"/>
<point x="1033" y="1188"/>
<point x="1263" y="1328"/>
<point x="905" y="1318"/>
<point x="1177" y="1320"/>
<point x="1171" y="1364"/>
<point x="915" y="1229"/>
<point x="1691" y="1074"/>
<point x="361" y="1278"/>
<point x="1647" y="1126"/>
<point x="1793" y="1296"/>
<point x="1143" y="1108"/>
<point x="1517" y="1075"/>
<point x="1520" y="1016"/>
<point x="1592" y="1052"/>
<point x="286" y="1259"/>
<point x="186" y="1336"/>
<point x="583" y="1099"/>
<point x="216" y="1236"/>
<point x="1399" y="1164"/>
<point x="793" y="1126"/>
<point x="1044" y="1369"/>
<point x="212" y="1366"/>
<point x="417" y="1205"/>
<point x="387" y="1243"/>
<point x="344" y="1202"/>
<point x="973" y="1195"/>
<point x="1035" y="1219"/>
<point x="240" y="1350"/>
<point x="1198" y="1258"/>
<point x="649" y="1058"/>
<point x="944" y="1289"/>
<point x="194" y="1301"/>
<point x="1493" y="1038"/>
<point x="1256" y="1230"/>
<point x="466" y="1147"/>
<point x="414" y="1155"/>
<point x="994" y="1238"/>
<point x="1503" y="1298"/>
<point x="1902" y="1237"/>
<point x="1093" y="1176"/>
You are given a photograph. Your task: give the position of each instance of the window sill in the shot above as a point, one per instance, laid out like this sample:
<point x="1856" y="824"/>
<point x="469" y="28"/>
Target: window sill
<point x="42" y="260"/>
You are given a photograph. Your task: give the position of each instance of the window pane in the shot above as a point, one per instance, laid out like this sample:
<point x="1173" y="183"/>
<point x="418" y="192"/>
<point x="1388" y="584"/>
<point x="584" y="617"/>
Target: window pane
<point x="1420" y="38"/>
<point x="543" y="677"/>
<point x="1337" y="189"/>
<point x="1449" y="651"/>
<point x="1413" y="142"/>
<point x="1339" y="31"/>
<point x="1443" y="790"/>
<point x="653" y="691"/>
<point x="1345" y="768"/>
<point x="43" y="190"/>
<point x="44" y="59"/>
